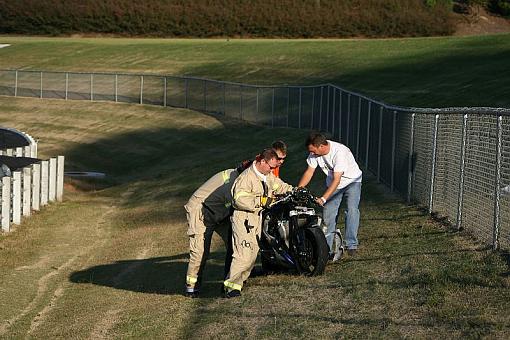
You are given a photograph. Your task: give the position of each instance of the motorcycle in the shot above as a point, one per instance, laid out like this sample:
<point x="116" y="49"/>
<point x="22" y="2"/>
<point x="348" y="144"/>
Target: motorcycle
<point x="292" y="237"/>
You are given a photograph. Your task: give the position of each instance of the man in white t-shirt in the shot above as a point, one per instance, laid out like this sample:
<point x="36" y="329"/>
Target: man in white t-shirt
<point x="343" y="179"/>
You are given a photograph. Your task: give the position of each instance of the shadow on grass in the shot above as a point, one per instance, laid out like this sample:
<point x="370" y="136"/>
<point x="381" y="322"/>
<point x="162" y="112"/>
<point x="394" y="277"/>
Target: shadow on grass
<point x="171" y="162"/>
<point x="158" y="275"/>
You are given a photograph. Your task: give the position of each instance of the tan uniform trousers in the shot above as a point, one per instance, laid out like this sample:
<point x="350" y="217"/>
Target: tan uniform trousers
<point x="246" y="228"/>
<point x="200" y="244"/>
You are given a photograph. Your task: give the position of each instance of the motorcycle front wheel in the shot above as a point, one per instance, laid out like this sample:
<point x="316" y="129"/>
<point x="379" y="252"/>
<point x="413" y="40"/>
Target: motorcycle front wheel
<point x="312" y="258"/>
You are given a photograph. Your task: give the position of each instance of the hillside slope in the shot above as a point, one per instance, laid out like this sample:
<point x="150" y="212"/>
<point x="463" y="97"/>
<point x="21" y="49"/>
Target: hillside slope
<point x="109" y="262"/>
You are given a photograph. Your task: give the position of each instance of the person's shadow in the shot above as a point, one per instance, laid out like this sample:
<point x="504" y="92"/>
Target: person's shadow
<point x="157" y="275"/>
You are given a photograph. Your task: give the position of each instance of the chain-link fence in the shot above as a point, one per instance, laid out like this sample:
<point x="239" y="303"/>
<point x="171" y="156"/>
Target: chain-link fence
<point x="455" y="162"/>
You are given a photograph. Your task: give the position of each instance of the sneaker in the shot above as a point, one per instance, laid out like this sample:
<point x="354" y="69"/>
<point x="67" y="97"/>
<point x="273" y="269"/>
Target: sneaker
<point x="233" y="293"/>
<point x="352" y="252"/>
<point x="337" y="256"/>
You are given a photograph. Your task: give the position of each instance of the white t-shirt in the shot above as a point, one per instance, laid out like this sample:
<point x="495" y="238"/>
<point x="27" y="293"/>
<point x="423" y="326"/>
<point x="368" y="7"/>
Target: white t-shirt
<point x="338" y="159"/>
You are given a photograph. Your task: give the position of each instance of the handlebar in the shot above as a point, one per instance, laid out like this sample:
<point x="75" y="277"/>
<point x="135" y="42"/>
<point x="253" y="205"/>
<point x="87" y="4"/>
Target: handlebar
<point x="300" y="194"/>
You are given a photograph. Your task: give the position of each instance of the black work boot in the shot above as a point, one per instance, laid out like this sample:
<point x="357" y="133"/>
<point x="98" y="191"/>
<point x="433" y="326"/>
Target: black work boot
<point x="191" y="292"/>
<point x="233" y="294"/>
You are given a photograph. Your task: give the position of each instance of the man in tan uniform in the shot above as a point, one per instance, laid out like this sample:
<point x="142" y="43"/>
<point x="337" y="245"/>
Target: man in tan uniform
<point x="251" y="192"/>
<point x="207" y="211"/>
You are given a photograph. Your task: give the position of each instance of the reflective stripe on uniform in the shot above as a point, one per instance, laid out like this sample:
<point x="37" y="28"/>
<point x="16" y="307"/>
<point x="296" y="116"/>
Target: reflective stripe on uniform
<point x="226" y="177"/>
<point x="191" y="280"/>
<point x="232" y="285"/>
<point x="242" y="194"/>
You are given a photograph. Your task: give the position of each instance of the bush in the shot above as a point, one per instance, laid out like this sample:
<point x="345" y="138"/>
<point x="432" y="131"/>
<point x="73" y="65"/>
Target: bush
<point x="500" y="6"/>
<point x="205" y="18"/>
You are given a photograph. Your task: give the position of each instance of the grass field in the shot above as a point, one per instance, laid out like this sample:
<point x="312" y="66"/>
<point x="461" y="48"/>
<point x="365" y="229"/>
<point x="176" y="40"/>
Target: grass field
<point x="425" y="72"/>
<point x="110" y="261"/>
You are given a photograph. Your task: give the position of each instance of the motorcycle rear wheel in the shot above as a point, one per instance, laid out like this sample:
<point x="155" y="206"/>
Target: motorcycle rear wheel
<point x="315" y="255"/>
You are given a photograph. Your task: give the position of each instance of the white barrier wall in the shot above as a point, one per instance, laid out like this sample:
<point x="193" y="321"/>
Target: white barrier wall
<point x="30" y="188"/>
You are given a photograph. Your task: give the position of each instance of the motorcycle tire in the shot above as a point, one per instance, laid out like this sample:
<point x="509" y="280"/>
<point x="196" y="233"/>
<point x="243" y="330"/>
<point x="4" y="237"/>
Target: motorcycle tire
<point x="317" y="253"/>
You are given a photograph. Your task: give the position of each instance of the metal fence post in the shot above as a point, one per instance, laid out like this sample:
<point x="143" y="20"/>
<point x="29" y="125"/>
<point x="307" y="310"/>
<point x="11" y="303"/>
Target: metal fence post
<point x="92" y="86"/>
<point x="141" y="89"/>
<point x="379" y="146"/>
<point x="67" y="85"/>
<point x="313" y="108"/>
<point x="320" y="108"/>
<point x="358" y="128"/>
<point x="41" y="86"/>
<point x="116" y="87"/>
<point x="300" y="110"/>
<point x="288" y="105"/>
<point x="333" y="114"/>
<point x="224" y="99"/>
<point x="241" y="102"/>
<point x="205" y="95"/>
<point x="186" y="89"/>
<point x="16" y="83"/>
<point x="393" y="150"/>
<point x="348" y="120"/>
<point x="164" y="91"/>
<point x="367" y="147"/>
<point x="340" y="115"/>
<point x="433" y="169"/>
<point x="460" y="203"/>
<point x="497" y="185"/>
<point x="410" y="161"/>
<point x="272" y="108"/>
<point x="327" y="109"/>
<point x="257" y="104"/>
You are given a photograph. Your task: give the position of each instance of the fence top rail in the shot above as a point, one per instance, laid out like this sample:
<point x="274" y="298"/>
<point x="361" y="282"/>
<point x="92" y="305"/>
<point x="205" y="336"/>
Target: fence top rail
<point x="422" y="110"/>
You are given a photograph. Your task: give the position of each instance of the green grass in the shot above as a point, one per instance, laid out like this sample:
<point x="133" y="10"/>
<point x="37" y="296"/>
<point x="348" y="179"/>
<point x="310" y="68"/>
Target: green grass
<point x="111" y="262"/>
<point x="424" y="72"/>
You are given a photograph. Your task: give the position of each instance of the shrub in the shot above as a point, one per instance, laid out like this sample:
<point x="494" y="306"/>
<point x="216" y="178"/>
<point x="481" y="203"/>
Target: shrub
<point x="204" y="18"/>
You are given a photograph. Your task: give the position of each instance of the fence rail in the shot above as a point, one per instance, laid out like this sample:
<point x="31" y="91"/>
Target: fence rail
<point x="454" y="161"/>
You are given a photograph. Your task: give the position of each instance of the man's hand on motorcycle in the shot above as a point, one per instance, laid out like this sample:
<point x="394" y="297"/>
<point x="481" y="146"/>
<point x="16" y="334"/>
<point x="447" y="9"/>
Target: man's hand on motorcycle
<point x="266" y="201"/>
<point x="319" y="201"/>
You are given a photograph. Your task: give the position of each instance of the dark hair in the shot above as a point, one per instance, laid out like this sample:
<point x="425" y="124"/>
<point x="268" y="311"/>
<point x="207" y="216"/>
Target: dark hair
<point x="280" y="146"/>
<point x="316" y="139"/>
<point x="267" y="154"/>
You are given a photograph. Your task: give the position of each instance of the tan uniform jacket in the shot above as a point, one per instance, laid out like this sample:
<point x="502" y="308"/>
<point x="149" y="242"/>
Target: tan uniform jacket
<point x="247" y="221"/>
<point x="212" y="201"/>
<point x="247" y="191"/>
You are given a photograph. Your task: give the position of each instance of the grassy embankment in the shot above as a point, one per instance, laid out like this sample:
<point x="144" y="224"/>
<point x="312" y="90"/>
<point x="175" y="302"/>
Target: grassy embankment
<point x="437" y="72"/>
<point x="111" y="262"/>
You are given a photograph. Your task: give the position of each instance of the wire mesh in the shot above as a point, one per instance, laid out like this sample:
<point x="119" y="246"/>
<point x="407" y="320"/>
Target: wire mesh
<point x="505" y="185"/>
<point x="448" y="165"/>
<point x="153" y="90"/>
<point x="422" y="154"/>
<point x="362" y="132"/>
<point x="7" y="83"/>
<point x="103" y="87"/>
<point x="345" y="115"/>
<point x="373" y="144"/>
<point x="29" y="84"/>
<point x="386" y="147"/>
<point x="478" y="207"/>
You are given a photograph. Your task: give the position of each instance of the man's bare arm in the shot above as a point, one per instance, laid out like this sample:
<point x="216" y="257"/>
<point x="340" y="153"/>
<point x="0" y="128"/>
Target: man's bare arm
<point x="307" y="176"/>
